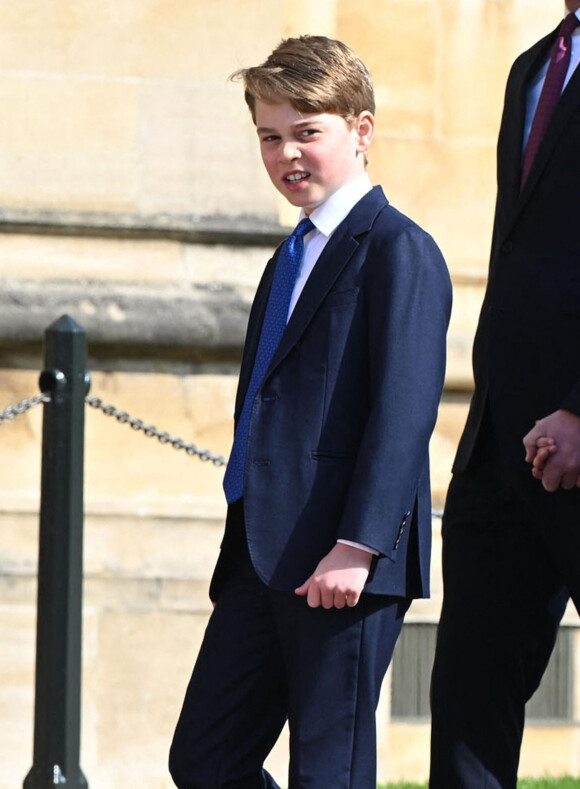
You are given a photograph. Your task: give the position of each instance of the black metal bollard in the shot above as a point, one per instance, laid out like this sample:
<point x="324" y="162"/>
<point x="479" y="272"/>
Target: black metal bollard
<point x="57" y="708"/>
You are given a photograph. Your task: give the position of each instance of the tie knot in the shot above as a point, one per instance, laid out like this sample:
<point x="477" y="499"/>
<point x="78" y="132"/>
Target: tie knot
<point x="303" y="227"/>
<point x="569" y="24"/>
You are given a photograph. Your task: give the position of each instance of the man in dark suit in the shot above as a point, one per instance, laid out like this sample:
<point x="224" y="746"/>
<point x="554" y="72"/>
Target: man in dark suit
<point x="511" y="542"/>
<point x="329" y="522"/>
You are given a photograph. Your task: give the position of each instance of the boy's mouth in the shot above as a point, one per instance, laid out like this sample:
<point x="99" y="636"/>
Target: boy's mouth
<point x="295" y="178"/>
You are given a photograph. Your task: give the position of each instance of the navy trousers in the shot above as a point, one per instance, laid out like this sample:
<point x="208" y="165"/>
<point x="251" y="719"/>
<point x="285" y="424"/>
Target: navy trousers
<point x="266" y="658"/>
<point x="511" y="558"/>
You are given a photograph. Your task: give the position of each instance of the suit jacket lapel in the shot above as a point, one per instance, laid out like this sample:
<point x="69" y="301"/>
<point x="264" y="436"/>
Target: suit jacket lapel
<point x="568" y="103"/>
<point x="255" y="321"/>
<point x="512" y="132"/>
<point x="327" y="269"/>
<point x="335" y="256"/>
<point x="566" y="106"/>
<point x="511" y="136"/>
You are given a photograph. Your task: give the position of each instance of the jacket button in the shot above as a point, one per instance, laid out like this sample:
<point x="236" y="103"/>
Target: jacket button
<point x="507" y="247"/>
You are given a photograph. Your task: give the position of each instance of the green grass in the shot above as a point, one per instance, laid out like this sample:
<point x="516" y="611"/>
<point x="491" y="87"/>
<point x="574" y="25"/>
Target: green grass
<point x="525" y="783"/>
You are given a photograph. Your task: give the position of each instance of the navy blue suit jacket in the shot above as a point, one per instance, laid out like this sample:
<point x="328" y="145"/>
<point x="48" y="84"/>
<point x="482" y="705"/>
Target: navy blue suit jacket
<point x="340" y="428"/>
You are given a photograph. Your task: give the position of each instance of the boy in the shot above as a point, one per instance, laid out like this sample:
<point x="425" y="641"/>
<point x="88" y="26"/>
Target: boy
<point x="328" y="529"/>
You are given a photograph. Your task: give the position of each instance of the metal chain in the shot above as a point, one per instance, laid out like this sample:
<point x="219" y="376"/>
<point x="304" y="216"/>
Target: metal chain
<point x="121" y="416"/>
<point x="136" y="424"/>
<point x="23" y="406"/>
<point x="152" y="432"/>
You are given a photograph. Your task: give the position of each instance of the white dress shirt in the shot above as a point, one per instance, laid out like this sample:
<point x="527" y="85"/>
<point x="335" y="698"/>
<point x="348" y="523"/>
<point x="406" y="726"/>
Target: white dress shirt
<point x="535" y="88"/>
<point x="326" y="218"/>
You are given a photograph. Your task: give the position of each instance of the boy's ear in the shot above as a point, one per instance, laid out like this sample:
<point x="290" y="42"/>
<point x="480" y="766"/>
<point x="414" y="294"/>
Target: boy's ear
<point x="365" y="128"/>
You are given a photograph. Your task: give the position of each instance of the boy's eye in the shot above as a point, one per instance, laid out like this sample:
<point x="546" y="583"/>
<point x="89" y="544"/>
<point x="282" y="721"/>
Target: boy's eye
<point x="309" y="132"/>
<point x="270" y="138"/>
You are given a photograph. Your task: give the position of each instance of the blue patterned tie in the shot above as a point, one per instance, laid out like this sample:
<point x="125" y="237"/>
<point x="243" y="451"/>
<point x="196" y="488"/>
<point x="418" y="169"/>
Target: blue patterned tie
<point x="272" y="330"/>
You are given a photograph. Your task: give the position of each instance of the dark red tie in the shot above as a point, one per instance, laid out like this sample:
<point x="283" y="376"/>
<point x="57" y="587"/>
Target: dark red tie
<point x="551" y="91"/>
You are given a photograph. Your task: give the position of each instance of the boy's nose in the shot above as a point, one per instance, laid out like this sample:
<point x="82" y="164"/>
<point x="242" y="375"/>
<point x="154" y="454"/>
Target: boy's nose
<point x="289" y="151"/>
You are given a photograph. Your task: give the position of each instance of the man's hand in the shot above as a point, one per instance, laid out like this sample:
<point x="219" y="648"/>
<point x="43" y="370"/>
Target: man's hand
<point x="562" y="468"/>
<point x="339" y="578"/>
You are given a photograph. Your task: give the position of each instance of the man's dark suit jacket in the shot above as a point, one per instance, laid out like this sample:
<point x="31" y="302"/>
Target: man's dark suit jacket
<point x="340" y="429"/>
<point x="527" y="347"/>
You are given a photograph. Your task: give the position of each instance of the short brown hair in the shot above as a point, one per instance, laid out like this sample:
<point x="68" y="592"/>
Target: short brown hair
<point x="313" y="73"/>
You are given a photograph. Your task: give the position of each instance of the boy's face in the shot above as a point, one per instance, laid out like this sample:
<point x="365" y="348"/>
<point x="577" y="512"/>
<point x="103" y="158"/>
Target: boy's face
<point x="308" y="156"/>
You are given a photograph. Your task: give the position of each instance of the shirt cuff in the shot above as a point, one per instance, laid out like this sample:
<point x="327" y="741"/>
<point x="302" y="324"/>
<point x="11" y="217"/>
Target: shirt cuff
<point x="358" y="545"/>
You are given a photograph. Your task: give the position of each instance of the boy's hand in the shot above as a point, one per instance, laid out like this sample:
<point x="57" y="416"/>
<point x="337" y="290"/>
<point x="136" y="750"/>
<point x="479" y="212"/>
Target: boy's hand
<point x="339" y="578"/>
<point x="542" y="448"/>
<point x="545" y="448"/>
<point x="562" y="468"/>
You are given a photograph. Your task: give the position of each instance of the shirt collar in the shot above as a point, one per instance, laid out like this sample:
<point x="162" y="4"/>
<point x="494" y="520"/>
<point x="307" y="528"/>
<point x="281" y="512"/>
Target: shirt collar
<point x="328" y="216"/>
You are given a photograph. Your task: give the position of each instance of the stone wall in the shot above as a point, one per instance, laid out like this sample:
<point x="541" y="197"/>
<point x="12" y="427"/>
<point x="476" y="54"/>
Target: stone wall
<point x="132" y="198"/>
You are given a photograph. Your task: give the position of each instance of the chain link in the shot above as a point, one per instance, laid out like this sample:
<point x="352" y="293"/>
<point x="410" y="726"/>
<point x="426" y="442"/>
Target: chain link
<point x="151" y="432"/>
<point x="136" y="424"/>
<point x="121" y="416"/>
<point x="23" y="406"/>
